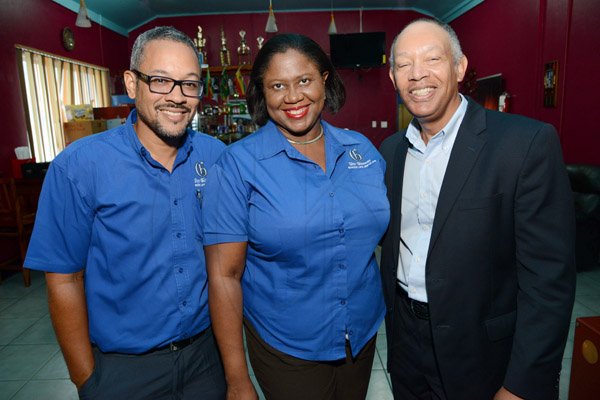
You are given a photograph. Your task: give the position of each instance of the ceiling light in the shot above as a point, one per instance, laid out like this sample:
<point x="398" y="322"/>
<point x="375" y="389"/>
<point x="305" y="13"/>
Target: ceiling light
<point x="83" y="20"/>
<point x="271" y="24"/>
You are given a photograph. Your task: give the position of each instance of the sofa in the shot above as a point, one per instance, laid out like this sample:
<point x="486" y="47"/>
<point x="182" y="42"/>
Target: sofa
<point x="585" y="183"/>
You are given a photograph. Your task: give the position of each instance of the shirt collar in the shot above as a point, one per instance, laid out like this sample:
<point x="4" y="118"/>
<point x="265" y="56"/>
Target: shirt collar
<point x="273" y="141"/>
<point x="448" y="133"/>
<point x="182" y="153"/>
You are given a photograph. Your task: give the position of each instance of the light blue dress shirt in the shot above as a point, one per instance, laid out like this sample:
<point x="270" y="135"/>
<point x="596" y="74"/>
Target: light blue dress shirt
<point x="311" y="277"/>
<point x="423" y="176"/>
<point x="108" y="207"/>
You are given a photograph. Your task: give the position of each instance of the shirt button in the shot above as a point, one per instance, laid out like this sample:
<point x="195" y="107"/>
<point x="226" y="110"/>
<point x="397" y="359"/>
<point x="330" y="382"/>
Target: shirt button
<point x="178" y="235"/>
<point x="351" y="333"/>
<point x="175" y="202"/>
<point x="341" y="230"/>
<point x="418" y="259"/>
<point x="342" y="266"/>
<point x="425" y="227"/>
<point x="331" y="194"/>
<point x="343" y="302"/>
<point x="422" y="194"/>
<point x="180" y="270"/>
<point x="184" y="303"/>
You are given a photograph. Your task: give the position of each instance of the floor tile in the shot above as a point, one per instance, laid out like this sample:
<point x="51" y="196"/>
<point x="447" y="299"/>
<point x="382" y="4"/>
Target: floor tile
<point x="26" y="307"/>
<point x="565" y="376"/>
<point x="379" y="387"/>
<point x="568" y="349"/>
<point x="586" y="286"/>
<point x="6" y="303"/>
<point x="592" y="301"/>
<point x="56" y="368"/>
<point x="593" y="274"/>
<point x="376" y="362"/>
<point x="41" y="332"/>
<point x="579" y="310"/>
<point x="61" y="389"/>
<point x="9" y="388"/>
<point x="39" y="291"/>
<point x="11" y="328"/>
<point x="261" y="396"/>
<point x="381" y="342"/>
<point x="19" y="362"/>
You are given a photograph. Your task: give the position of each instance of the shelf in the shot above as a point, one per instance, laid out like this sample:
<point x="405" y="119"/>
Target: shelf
<point x="246" y="68"/>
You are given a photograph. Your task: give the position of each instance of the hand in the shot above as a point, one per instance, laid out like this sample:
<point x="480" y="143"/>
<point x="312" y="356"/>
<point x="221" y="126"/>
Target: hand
<point x="79" y="379"/>
<point x="242" y="391"/>
<point x="504" y="394"/>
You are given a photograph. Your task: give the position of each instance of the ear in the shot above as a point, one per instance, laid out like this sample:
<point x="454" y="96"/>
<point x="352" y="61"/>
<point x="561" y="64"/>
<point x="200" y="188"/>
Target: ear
<point x="130" y="83"/>
<point x="461" y="68"/>
<point x="391" y="73"/>
<point x="325" y="75"/>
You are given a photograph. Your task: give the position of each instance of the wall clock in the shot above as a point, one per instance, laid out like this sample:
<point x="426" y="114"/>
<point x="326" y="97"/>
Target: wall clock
<point x="67" y="39"/>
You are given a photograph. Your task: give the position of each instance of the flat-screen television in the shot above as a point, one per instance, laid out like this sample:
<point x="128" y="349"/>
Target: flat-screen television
<point x="358" y="50"/>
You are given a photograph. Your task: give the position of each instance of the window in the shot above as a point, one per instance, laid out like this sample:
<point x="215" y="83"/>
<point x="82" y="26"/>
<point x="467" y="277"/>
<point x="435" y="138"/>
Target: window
<point x="49" y="83"/>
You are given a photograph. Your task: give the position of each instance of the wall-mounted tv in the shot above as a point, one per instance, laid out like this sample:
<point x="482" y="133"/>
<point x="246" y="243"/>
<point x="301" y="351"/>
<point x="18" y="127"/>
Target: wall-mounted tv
<point x="358" y="50"/>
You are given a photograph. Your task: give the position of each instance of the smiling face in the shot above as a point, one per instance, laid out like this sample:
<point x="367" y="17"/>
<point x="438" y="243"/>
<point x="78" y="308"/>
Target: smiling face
<point x="425" y="74"/>
<point x="164" y="115"/>
<point x="294" y="91"/>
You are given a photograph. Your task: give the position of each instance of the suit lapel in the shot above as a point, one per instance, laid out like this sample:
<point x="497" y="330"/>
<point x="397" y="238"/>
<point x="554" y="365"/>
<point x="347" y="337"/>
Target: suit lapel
<point x="465" y="152"/>
<point x="396" y="197"/>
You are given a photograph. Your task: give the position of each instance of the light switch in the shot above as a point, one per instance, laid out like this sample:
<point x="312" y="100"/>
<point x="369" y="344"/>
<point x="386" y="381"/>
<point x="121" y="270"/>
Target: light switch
<point x="384" y="124"/>
<point x="373" y="124"/>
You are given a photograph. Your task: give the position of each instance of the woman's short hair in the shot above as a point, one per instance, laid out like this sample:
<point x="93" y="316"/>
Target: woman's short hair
<point x="335" y="94"/>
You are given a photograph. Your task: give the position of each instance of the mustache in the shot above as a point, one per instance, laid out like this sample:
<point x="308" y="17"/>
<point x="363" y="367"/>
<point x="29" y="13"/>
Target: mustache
<point x="174" y="107"/>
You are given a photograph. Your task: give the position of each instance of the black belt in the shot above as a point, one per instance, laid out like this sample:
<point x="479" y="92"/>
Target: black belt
<point x="417" y="308"/>
<point x="180" y="344"/>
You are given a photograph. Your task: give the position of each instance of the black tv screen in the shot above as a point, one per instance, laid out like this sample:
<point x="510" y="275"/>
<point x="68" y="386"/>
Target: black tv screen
<point x="355" y="50"/>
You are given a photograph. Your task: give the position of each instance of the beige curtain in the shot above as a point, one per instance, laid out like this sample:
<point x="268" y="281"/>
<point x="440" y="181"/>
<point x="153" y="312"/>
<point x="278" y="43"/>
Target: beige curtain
<point x="49" y="83"/>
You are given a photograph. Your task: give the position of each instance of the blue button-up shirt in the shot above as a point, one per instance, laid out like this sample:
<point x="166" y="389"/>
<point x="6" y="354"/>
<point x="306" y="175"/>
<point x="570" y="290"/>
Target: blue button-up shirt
<point x="310" y="277"/>
<point x="108" y="207"/>
<point x="424" y="172"/>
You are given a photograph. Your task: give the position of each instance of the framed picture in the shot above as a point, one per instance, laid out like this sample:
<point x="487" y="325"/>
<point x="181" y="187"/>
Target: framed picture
<point x="550" y="83"/>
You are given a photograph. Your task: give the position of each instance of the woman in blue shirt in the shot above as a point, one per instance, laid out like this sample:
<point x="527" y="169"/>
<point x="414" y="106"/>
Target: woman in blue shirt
<point x="290" y="225"/>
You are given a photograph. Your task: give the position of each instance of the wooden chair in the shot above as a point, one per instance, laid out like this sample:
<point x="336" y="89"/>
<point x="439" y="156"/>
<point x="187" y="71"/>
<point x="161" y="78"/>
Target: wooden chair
<point x="18" y="205"/>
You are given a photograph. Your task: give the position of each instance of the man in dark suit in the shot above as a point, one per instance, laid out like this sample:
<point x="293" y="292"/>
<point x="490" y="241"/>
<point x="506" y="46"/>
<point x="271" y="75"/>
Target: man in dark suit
<point x="477" y="264"/>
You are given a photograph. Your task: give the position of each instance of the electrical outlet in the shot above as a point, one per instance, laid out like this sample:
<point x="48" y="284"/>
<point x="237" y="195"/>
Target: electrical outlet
<point x="384" y="124"/>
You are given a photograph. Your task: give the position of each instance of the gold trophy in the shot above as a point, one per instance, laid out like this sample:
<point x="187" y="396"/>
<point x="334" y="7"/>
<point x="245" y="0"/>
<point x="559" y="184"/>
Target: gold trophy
<point x="225" y="58"/>
<point x="260" y="40"/>
<point x="243" y="50"/>
<point x="200" y="43"/>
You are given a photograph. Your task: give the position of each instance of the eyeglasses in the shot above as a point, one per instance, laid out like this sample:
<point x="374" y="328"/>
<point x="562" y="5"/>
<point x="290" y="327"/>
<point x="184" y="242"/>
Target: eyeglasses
<point x="164" y="85"/>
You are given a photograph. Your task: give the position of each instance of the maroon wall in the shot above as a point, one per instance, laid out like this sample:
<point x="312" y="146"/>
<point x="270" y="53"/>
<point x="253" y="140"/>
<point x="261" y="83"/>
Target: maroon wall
<point x="39" y="24"/>
<point x="370" y="95"/>
<point x="517" y="37"/>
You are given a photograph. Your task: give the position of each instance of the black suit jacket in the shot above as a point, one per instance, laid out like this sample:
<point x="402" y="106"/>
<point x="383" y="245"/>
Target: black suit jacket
<point x="500" y="271"/>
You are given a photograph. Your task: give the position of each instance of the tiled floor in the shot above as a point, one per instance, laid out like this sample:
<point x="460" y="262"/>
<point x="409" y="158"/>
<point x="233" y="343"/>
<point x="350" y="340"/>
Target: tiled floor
<point x="31" y="365"/>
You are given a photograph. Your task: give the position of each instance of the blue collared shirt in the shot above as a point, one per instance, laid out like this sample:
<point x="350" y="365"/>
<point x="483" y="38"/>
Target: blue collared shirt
<point x="423" y="175"/>
<point x="108" y="207"/>
<point x="310" y="277"/>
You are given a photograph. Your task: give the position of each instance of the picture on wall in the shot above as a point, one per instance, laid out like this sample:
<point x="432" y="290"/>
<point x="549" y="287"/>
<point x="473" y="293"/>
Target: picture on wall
<point x="550" y="83"/>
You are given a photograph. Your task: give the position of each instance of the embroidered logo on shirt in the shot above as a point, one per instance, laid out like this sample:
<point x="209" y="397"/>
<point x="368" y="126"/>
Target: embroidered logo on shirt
<point x="358" y="162"/>
<point x="201" y="172"/>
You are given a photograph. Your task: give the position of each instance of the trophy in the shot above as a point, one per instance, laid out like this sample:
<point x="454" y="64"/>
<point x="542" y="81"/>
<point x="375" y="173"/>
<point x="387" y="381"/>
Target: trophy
<point x="225" y="58"/>
<point x="260" y="41"/>
<point x="243" y="50"/>
<point x="200" y="43"/>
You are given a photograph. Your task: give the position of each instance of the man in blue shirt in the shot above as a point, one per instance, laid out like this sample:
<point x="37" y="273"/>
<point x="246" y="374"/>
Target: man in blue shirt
<point x="118" y="232"/>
